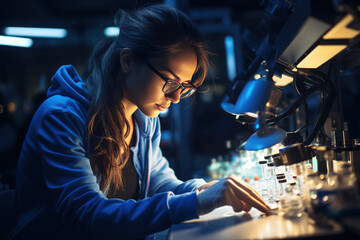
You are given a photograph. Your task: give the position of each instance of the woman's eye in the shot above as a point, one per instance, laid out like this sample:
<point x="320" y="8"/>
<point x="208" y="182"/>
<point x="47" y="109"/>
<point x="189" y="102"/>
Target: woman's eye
<point x="172" y="81"/>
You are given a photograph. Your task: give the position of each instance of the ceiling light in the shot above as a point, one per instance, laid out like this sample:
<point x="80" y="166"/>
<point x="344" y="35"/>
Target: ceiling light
<point x="319" y="55"/>
<point x="341" y="31"/>
<point x="112" y="31"/>
<point x="36" y="32"/>
<point x="230" y="57"/>
<point x="16" y="41"/>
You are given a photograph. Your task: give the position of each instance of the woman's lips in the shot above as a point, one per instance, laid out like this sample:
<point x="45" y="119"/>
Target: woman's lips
<point x="161" y="107"/>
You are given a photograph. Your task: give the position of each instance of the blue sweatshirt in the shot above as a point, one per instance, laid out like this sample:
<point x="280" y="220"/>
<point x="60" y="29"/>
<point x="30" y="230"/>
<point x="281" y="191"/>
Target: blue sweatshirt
<point x="57" y="193"/>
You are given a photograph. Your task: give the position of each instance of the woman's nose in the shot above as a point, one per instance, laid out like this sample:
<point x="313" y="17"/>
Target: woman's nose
<point x="174" y="96"/>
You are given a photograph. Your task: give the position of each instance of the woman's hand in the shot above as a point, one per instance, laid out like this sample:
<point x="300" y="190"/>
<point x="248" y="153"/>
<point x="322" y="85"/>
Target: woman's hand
<point x="229" y="191"/>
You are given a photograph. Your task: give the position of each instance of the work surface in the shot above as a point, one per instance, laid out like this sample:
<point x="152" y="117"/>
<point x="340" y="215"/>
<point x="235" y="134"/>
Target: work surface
<point x="224" y="223"/>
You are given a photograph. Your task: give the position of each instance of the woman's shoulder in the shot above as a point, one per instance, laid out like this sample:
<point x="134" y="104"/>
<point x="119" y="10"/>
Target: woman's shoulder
<point x="59" y="112"/>
<point x="64" y="104"/>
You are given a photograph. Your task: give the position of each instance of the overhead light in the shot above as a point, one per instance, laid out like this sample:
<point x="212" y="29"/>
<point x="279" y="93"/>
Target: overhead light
<point x="230" y="57"/>
<point x="112" y="31"/>
<point x="16" y="41"/>
<point x="308" y="32"/>
<point x="319" y="55"/>
<point x="341" y="31"/>
<point x="36" y="32"/>
<point x="325" y="51"/>
<point x="316" y="42"/>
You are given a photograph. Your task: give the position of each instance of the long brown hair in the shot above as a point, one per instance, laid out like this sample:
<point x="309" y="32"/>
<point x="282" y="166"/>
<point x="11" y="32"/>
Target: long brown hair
<point x="156" y="30"/>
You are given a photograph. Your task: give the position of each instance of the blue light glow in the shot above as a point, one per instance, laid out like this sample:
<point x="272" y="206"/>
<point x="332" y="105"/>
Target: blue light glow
<point x="16" y="41"/>
<point x="111" y="31"/>
<point x="164" y="113"/>
<point x="230" y="57"/>
<point x="36" y="32"/>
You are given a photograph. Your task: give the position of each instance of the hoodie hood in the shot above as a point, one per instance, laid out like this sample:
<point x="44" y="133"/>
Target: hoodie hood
<point x="67" y="82"/>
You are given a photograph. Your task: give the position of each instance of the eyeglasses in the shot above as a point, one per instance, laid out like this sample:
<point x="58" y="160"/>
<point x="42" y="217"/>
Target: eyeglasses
<point x="171" y="85"/>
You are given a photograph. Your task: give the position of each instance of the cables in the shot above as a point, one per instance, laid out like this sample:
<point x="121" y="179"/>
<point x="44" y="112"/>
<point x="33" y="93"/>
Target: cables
<point x="316" y="81"/>
<point x="300" y="88"/>
<point x="297" y="103"/>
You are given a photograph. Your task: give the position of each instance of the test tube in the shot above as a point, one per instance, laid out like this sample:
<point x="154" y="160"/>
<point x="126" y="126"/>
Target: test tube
<point x="311" y="184"/>
<point x="263" y="180"/>
<point x="271" y="182"/>
<point x="291" y="202"/>
<point x="281" y="180"/>
<point x="279" y="165"/>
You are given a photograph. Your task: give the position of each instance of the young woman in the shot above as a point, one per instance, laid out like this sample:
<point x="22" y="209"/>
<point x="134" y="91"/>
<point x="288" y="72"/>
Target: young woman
<point x="91" y="166"/>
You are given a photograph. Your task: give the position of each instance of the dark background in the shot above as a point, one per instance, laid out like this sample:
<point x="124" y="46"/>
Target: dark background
<point x="195" y="130"/>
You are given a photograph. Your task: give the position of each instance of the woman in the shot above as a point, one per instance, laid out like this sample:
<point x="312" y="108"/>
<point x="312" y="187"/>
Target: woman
<point x="91" y="166"/>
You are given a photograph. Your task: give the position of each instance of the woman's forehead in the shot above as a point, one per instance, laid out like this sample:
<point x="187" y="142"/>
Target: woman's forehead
<point x="181" y="64"/>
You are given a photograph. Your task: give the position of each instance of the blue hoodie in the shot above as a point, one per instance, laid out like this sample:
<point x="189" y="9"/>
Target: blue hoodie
<point x="57" y="193"/>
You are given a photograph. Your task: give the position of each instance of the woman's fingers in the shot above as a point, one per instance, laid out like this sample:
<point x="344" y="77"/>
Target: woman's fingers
<point x="247" y="188"/>
<point x="234" y="201"/>
<point x="207" y="185"/>
<point x="247" y="197"/>
<point x="229" y="191"/>
<point x="247" y="207"/>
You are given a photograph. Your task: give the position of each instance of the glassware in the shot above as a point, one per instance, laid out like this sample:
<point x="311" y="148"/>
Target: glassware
<point x="281" y="186"/>
<point x="311" y="183"/>
<point x="271" y="182"/>
<point x="213" y="169"/>
<point x="279" y="165"/>
<point x="325" y="193"/>
<point x="291" y="202"/>
<point x="347" y="194"/>
<point x="263" y="179"/>
<point x="300" y="173"/>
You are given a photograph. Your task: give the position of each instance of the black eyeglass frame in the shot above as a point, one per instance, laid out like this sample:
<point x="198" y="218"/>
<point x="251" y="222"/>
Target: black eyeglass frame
<point x="191" y="87"/>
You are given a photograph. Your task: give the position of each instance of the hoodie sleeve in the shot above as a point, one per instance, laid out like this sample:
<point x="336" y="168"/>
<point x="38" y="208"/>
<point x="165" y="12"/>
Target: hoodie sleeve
<point x="76" y="195"/>
<point x="162" y="176"/>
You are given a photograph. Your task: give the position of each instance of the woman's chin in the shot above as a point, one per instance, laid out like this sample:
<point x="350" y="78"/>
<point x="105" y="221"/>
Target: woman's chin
<point x="152" y="114"/>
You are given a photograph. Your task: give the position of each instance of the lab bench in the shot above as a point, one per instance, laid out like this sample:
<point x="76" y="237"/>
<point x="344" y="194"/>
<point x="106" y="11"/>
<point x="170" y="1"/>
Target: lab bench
<point x="223" y="224"/>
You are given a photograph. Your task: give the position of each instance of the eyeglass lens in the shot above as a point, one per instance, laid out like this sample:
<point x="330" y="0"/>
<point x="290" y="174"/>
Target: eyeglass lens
<point x="171" y="86"/>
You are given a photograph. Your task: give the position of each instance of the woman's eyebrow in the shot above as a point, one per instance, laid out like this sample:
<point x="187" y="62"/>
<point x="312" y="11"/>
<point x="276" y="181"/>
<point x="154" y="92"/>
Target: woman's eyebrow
<point x="176" y="76"/>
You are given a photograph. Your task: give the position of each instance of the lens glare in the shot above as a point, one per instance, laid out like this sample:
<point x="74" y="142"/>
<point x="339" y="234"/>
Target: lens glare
<point x="172" y="86"/>
<point x="188" y="93"/>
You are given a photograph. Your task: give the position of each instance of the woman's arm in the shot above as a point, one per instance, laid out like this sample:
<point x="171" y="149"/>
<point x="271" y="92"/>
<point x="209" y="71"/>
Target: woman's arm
<point x="228" y="191"/>
<point x="76" y="195"/>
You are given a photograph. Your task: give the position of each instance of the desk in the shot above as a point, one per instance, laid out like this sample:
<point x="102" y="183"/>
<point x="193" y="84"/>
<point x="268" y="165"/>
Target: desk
<point x="224" y="223"/>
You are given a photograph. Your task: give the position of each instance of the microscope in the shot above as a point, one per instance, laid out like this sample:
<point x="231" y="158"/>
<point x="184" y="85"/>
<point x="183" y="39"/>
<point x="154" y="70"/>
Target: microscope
<point x="302" y="49"/>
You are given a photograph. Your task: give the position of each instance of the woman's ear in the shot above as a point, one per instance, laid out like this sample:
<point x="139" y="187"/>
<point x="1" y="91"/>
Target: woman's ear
<point x="126" y="59"/>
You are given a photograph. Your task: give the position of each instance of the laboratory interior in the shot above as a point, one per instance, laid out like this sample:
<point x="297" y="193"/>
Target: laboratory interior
<point x="279" y="108"/>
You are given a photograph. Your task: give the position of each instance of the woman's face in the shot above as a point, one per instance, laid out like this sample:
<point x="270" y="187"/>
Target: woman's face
<point x="144" y="87"/>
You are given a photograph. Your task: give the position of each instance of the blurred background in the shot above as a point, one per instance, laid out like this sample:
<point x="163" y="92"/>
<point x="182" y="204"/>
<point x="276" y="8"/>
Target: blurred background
<point x="196" y="132"/>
